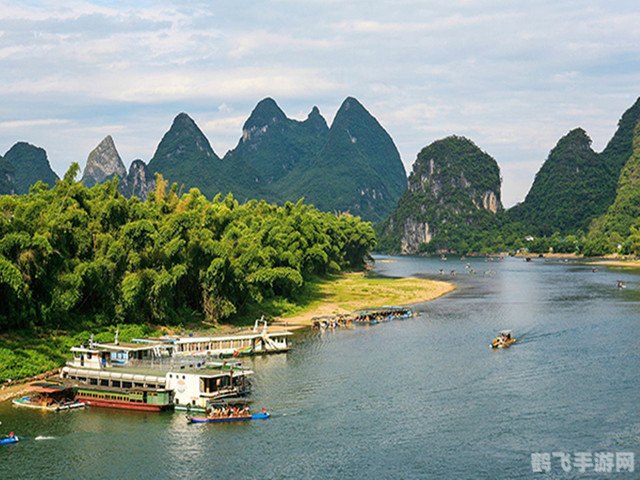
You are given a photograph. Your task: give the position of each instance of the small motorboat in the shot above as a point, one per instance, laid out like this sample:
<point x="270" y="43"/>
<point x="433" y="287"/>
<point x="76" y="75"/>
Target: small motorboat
<point x="9" y="439"/>
<point x="504" y="339"/>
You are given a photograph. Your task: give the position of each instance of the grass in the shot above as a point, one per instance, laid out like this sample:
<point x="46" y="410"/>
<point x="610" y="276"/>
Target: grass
<point x="27" y="353"/>
<point x="347" y="292"/>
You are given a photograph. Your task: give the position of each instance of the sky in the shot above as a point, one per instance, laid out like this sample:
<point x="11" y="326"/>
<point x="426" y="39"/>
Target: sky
<point x="514" y="77"/>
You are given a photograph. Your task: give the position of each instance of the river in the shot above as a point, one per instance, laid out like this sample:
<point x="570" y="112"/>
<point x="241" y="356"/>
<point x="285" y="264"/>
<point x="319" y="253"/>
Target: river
<point x="419" y="398"/>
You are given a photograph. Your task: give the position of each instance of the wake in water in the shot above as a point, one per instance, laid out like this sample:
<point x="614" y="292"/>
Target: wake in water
<point x="534" y="336"/>
<point x="43" y="437"/>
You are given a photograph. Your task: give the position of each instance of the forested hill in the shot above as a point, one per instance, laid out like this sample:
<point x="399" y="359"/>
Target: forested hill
<point x="570" y="189"/>
<point x="72" y="253"/>
<point x="619" y="229"/>
<point x="352" y="167"/>
<point x="576" y="184"/>
<point x="358" y="169"/>
<point x="30" y="165"/>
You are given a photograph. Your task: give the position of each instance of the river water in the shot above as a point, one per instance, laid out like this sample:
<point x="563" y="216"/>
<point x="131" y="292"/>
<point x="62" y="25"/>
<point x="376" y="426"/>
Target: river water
<point x="419" y="398"/>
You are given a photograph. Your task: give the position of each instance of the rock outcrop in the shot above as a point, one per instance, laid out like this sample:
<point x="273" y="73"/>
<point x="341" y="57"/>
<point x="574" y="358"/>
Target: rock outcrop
<point x="139" y="182"/>
<point x="103" y="163"/>
<point x="7" y="178"/>
<point x="453" y="188"/>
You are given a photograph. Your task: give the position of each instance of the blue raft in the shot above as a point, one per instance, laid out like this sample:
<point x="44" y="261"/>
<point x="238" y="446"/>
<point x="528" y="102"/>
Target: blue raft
<point x="221" y="419"/>
<point x="8" y="440"/>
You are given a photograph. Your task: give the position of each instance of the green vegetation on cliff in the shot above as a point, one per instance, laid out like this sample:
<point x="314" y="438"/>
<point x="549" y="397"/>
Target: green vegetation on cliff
<point x="30" y="165"/>
<point x="358" y="169"/>
<point x="569" y="190"/>
<point x="620" y="226"/>
<point x="451" y="202"/>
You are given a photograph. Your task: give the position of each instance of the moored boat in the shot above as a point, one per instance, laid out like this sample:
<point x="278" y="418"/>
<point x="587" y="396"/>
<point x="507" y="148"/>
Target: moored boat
<point x="52" y="397"/>
<point x="258" y="341"/>
<point x="131" y="376"/>
<point x="144" y="399"/>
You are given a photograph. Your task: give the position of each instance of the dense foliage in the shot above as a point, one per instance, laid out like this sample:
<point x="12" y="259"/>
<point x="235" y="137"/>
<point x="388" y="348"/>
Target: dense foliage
<point x="70" y="253"/>
<point x="569" y="190"/>
<point x="619" y="229"/>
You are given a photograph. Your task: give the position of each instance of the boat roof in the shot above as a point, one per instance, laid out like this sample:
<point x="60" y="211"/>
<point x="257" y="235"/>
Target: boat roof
<point x="163" y="371"/>
<point x="196" y="339"/>
<point x="506" y="332"/>
<point x="110" y="347"/>
<point x="48" y="387"/>
<point x="230" y="401"/>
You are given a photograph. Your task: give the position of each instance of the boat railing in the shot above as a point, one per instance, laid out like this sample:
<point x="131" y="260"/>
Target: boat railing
<point x="172" y="363"/>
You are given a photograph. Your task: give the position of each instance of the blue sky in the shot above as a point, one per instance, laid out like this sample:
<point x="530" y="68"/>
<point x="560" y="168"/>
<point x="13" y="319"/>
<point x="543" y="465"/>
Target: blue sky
<point x="512" y="76"/>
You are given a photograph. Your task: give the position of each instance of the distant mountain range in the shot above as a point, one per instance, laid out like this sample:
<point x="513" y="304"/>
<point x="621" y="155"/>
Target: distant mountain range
<point x="353" y="166"/>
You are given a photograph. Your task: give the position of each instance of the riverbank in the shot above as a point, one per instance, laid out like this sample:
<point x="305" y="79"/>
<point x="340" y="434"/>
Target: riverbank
<point x="339" y="294"/>
<point x="618" y="263"/>
<point x="355" y="291"/>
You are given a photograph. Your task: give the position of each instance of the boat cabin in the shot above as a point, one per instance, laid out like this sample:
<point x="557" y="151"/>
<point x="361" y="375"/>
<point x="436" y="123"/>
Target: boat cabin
<point x="104" y="355"/>
<point x="506" y="334"/>
<point x="196" y="389"/>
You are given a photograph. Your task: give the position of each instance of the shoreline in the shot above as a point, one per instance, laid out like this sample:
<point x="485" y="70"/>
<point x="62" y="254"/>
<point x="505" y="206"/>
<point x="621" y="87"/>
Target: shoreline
<point x="22" y="387"/>
<point x="617" y="263"/>
<point x="388" y="292"/>
<point x="343" y="295"/>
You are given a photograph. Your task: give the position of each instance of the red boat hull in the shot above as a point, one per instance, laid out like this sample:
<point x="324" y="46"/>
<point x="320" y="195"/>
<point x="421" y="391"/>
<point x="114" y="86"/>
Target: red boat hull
<point x="97" y="402"/>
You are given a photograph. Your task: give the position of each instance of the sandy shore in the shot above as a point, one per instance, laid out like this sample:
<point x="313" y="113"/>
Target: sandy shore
<point x="618" y="263"/>
<point x="23" y="387"/>
<point x="354" y="291"/>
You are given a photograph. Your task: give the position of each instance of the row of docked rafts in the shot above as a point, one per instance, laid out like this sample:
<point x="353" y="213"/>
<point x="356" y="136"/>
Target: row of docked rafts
<point x="185" y="373"/>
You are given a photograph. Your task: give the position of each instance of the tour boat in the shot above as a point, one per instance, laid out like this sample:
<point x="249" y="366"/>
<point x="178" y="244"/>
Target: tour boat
<point x="259" y="340"/>
<point x="504" y="339"/>
<point x="142" y="377"/>
<point x="145" y="399"/>
<point x="232" y="418"/>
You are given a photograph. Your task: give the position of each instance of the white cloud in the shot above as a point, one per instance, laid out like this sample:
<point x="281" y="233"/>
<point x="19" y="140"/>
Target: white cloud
<point x="514" y="78"/>
<point x="39" y="122"/>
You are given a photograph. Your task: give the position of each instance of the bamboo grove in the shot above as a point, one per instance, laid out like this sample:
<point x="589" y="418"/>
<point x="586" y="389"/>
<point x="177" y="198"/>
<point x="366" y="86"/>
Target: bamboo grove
<point x="71" y="254"/>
